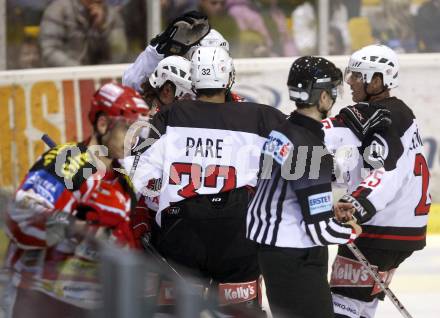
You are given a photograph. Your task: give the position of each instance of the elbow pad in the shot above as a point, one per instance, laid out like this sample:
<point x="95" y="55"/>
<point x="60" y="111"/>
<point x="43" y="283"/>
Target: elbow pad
<point x="364" y="209"/>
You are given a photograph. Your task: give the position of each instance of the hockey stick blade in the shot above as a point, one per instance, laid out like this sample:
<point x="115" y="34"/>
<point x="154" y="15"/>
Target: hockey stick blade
<point x="361" y="258"/>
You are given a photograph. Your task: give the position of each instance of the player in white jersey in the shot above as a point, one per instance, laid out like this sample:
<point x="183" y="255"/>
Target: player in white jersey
<point x="392" y="203"/>
<point x="155" y="91"/>
<point x="180" y="35"/>
<point x="168" y="82"/>
<point x="291" y="215"/>
<point x="208" y="163"/>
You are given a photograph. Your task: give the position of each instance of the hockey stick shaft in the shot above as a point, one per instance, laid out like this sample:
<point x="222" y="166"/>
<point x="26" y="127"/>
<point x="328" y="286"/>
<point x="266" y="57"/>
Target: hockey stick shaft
<point x="360" y="256"/>
<point x="152" y="250"/>
<point x="48" y="141"/>
<point x="135" y="163"/>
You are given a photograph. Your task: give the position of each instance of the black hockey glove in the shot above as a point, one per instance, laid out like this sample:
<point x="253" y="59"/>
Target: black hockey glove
<point x="181" y="34"/>
<point x="364" y="209"/>
<point x="365" y="120"/>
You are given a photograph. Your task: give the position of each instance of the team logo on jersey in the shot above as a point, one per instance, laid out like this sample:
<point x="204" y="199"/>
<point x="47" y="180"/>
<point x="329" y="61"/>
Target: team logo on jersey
<point x="320" y="203"/>
<point x="278" y="146"/>
<point x="173" y="210"/>
<point x="44" y="184"/>
<point x="377" y="152"/>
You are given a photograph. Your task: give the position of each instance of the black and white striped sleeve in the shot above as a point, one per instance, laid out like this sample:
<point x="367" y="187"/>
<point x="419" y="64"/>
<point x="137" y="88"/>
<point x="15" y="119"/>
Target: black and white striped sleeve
<point x="327" y="232"/>
<point x="316" y="203"/>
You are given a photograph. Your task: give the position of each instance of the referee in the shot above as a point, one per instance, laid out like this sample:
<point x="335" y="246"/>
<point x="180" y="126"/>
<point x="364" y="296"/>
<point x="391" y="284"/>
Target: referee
<point x="290" y="216"/>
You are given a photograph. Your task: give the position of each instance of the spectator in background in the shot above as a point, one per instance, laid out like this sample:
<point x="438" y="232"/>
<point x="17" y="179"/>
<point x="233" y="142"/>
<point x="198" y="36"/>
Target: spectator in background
<point x="428" y="26"/>
<point x="276" y="24"/>
<point x="135" y="18"/>
<point x="252" y="44"/>
<point x="249" y="20"/>
<point x="394" y="26"/>
<point x="171" y="9"/>
<point x="82" y="32"/>
<point x="220" y="20"/>
<point x="29" y="54"/>
<point x="339" y="26"/>
<point x="353" y="8"/>
<point x="305" y="28"/>
<point x="335" y="42"/>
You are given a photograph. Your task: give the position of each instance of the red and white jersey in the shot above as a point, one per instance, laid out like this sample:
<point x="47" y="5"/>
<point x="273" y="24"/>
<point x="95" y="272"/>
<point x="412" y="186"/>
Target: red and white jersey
<point x="205" y="148"/>
<point x="65" y="269"/>
<point x="398" y="182"/>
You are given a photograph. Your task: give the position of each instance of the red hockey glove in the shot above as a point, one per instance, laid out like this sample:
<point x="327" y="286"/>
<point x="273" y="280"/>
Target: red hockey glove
<point x="124" y="235"/>
<point x="141" y="222"/>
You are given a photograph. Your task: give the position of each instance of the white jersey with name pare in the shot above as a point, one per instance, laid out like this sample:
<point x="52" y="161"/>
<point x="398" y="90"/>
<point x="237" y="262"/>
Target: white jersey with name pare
<point x="205" y="148"/>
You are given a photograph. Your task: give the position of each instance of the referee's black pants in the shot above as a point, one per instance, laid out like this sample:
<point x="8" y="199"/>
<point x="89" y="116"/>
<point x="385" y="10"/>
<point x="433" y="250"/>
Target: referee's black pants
<point x="296" y="281"/>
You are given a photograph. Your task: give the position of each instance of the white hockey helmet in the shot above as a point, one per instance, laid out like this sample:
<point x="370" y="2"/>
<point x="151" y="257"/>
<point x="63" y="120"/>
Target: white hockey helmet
<point x="375" y="59"/>
<point x="175" y="69"/>
<point x="213" y="38"/>
<point x="212" y="67"/>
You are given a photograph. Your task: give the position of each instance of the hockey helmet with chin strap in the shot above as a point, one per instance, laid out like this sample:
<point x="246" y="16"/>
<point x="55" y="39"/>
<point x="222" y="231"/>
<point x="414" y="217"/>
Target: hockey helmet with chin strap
<point x="374" y="59"/>
<point x="309" y="76"/>
<point x="212" y="68"/>
<point x="175" y="69"/>
<point x="117" y="101"/>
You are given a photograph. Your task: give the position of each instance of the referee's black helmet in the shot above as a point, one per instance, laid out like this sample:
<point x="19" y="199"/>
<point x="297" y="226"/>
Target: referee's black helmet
<point x="309" y="76"/>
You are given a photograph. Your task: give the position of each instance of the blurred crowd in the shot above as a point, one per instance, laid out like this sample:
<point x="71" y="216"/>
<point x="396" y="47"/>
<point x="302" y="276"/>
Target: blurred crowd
<point x="49" y="33"/>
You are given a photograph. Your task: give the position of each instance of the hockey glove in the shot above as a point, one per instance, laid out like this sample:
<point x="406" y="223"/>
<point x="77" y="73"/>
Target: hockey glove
<point x="363" y="208"/>
<point x="365" y="120"/>
<point x="124" y="236"/>
<point x="141" y="222"/>
<point x="104" y="206"/>
<point x="181" y="34"/>
<point x="59" y="226"/>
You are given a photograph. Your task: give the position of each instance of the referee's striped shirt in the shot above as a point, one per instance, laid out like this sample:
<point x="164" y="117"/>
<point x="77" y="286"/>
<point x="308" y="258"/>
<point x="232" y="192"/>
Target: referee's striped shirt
<point x="292" y="206"/>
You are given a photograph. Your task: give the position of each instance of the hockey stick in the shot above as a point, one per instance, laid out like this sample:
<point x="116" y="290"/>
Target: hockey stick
<point x="360" y="256"/>
<point x="135" y="163"/>
<point x="153" y="251"/>
<point x="48" y="141"/>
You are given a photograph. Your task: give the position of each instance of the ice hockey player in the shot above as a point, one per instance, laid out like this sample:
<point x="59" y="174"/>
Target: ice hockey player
<point x="72" y="186"/>
<point x="208" y="163"/>
<point x="291" y="214"/>
<point x="392" y="203"/>
<point x="177" y="39"/>
<point x="169" y="82"/>
<point x="138" y="74"/>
